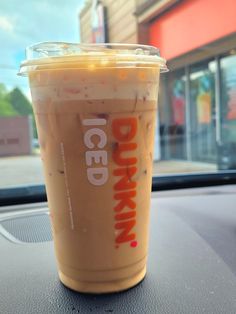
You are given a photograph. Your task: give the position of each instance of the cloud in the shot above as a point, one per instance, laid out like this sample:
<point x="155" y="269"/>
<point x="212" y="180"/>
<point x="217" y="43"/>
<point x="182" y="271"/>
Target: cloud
<point x="24" y="23"/>
<point x="6" y="24"/>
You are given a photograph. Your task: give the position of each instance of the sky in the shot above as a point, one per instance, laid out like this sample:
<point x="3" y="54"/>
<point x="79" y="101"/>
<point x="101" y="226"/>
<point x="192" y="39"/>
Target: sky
<point x="25" y="22"/>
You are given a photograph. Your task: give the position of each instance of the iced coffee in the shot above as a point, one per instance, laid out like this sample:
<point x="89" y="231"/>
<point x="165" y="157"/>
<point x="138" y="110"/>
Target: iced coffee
<point x="95" y="109"/>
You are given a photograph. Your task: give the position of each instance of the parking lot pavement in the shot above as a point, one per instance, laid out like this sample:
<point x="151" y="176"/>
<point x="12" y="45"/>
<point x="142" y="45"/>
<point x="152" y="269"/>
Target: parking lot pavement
<point x="21" y="170"/>
<point x="179" y="166"/>
<point x="27" y="170"/>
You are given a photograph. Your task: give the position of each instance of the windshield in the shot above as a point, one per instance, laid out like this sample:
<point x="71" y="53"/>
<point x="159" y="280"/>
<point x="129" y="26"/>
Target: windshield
<point x="196" y="116"/>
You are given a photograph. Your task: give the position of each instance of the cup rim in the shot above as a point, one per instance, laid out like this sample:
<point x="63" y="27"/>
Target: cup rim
<point x="44" y="53"/>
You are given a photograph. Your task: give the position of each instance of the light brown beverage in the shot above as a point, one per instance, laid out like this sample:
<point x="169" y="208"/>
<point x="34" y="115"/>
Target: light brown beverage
<point x="95" y="114"/>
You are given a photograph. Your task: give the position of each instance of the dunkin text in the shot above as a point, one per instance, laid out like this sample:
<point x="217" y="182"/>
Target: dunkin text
<point x="124" y="131"/>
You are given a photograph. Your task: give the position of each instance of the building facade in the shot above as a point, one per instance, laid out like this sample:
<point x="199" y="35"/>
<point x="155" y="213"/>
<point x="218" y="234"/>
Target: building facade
<point x="197" y="101"/>
<point x="120" y="22"/>
<point x="16" y="135"/>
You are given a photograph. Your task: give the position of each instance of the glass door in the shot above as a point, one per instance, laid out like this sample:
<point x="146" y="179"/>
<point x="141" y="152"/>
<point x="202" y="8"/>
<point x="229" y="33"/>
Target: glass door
<point x="176" y="126"/>
<point x="202" y="111"/>
<point x="228" y="99"/>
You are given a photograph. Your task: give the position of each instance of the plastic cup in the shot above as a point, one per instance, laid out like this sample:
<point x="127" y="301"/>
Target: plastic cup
<point x="95" y="109"/>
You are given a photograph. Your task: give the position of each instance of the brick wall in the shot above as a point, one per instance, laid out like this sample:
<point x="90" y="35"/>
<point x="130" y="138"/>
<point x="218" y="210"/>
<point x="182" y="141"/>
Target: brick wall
<point x="15" y="136"/>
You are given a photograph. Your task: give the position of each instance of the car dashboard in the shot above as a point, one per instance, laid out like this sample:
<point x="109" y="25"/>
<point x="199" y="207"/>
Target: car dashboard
<point x="191" y="263"/>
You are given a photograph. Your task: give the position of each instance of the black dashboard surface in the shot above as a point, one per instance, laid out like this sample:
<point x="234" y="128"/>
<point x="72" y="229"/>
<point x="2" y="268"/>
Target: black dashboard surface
<point x="191" y="265"/>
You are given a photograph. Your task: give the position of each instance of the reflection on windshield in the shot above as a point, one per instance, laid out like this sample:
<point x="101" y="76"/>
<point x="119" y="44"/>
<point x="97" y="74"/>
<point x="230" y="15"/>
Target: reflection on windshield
<point x="196" y="118"/>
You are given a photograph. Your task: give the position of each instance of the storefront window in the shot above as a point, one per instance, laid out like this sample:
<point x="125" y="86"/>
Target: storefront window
<point x="174" y="126"/>
<point x="202" y="112"/>
<point x="228" y="103"/>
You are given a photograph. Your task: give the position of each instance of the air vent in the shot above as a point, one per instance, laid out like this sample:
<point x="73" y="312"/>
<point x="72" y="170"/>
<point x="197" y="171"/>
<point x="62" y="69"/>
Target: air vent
<point x="28" y="229"/>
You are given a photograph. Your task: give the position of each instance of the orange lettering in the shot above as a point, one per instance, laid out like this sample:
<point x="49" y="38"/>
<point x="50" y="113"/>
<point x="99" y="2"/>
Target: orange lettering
<point x="125" y="200"/>
<point x="128" y="123"/>
<point x="126" y="227"/>
<point x="116" y="155"/>
<point x="125" y="183"/>
<point x="126" y="215"/>
<point x="124" y="131"/>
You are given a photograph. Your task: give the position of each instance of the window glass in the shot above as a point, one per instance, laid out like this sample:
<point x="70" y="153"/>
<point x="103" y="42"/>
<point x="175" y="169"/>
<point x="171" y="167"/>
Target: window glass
<point x="202" y="112"/>
<point x="196" y="117"/>
<point x="228" y="110"/>
<point x="177" y="125"/>
<point x="23" y="23"/>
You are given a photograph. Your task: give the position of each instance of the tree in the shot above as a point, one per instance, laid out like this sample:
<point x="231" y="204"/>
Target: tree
<point x="3" y="91"/>
<point x="6" y="109"/>
<point x="15" y="103"/>
<point x="19" y="102"/>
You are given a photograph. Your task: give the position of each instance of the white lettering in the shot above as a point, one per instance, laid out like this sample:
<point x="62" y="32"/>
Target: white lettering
<point x="95" y="132"/>
<point x="96" y="138"/>
<point x="98" y="156"/>
<point x="97" y="176"/>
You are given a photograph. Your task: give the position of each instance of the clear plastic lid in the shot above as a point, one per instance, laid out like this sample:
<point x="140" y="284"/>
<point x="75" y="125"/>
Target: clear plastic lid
<point x="46" y="55"/>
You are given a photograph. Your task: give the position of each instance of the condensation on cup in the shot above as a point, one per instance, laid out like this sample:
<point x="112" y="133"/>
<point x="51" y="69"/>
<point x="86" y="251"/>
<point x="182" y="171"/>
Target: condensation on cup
<point x="95" y="109"/>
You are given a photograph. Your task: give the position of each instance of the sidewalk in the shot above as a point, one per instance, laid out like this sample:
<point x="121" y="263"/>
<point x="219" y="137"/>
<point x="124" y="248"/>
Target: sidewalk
<point x="179" y="166"/>
<point x="27" y="170"/>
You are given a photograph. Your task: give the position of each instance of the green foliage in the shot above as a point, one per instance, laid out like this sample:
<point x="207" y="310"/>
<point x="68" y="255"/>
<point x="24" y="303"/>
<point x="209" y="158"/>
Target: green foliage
<point x="19" y="102"/>
<point x="3" y="91"/>
<point x="15" y="103"/>
<point x="6" y="109"/>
